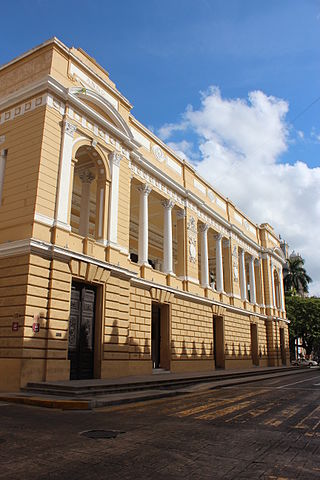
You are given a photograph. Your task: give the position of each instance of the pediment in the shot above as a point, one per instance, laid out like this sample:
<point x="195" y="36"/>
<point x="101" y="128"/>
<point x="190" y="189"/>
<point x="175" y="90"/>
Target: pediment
<point x="103" y="107"/>
<point x="279" y="252"/>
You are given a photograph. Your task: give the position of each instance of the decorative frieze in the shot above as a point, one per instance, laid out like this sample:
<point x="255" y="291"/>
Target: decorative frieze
<point x="22" y="108"/>
<point x="192" y="239"/>
<point x="97" y="131"/>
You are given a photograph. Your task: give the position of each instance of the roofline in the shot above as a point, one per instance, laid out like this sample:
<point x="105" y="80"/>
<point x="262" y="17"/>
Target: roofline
<point x="67" y="50"/>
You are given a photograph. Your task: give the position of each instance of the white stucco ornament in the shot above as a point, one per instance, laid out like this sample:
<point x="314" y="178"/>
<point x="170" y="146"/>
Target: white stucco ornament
<point x="158" y="153"/>
<point x="192" y="250"/>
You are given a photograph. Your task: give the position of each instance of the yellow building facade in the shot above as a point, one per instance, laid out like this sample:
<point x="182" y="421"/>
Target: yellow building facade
<point x="116" y="257"/>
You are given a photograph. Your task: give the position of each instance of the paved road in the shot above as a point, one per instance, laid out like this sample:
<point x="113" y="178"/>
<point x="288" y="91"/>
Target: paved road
<point x="265" y="430"/>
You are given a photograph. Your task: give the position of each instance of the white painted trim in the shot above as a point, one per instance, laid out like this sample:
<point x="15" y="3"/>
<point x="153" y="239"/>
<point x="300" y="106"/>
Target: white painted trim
<point x="63" y="191"/>
<point x="20" y="247"/>
<point x="43" y="219"/>
<point x="49" y="82"/>
<point x="67" y="50"/>
<point x="62" y="225"/>
<point x="3" y="161"/>
<point x="114" y="160"/>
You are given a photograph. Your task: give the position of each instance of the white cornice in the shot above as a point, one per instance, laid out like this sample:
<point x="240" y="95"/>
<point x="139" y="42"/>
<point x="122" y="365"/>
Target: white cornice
<point x="96" y="116"/>
<point x="189" y="296"/>
<point x="160" y="142"/>
<point x="49" y="83"/>
<point x="24" y="93"/>
<point x="22" y="247"/>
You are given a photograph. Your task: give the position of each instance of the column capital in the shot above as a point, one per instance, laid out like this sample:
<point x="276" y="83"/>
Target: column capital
<point x="203" y="227"/>
<point x="69" y="128"/>
<point x="167" y="204"/>
<point x="144" y="189"/>
<point x="218" y="237"/>
<point x="86" y="176"/>
<point x="181" y="214"/>
<point x="115" y="158"/>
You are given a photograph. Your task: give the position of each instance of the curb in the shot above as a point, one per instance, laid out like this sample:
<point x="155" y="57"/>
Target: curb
<point x="47" y="403"/>
<point x="65" y="404"/>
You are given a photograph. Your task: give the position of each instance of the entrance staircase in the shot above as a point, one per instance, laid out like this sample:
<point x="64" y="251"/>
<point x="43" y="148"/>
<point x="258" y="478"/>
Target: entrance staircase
<point x="161" y="381"/>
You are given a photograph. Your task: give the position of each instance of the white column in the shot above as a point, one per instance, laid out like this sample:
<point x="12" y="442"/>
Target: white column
<point x="219" y="264"/>
<point x="243" y="280"/>
<point x="114" y="159"/>
<point x="143" y="225"/>
<point x="281" y="289"/>
<point x="252" y="280"/>
<point x="100" y="211"/>
<point x="3" y="157"/>
<point x="273" y="286"/>
<point x="261" y="281"/>
<point x="204" y="255"/>
<point x="63" y="193"/>
<point x="86" y="178"/>
<point x="167" y="237"/>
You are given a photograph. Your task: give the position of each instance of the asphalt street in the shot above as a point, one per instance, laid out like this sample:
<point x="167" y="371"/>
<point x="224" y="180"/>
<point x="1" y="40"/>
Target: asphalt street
<point x="263" y="430"/>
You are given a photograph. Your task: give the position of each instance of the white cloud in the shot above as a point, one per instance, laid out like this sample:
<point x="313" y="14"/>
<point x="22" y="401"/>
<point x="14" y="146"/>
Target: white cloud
<point x="300" y="134"/>
<point x="241" y="141"/>
<point x="183" y="149"/>
<point x="168" y="128"/>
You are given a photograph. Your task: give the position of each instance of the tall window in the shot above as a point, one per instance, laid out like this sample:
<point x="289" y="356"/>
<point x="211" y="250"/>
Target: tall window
<point x="3" y="159"/>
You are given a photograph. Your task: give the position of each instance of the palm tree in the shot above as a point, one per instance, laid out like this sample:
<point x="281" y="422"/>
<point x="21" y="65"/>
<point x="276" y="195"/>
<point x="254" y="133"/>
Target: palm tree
<point x="295" y="277"/>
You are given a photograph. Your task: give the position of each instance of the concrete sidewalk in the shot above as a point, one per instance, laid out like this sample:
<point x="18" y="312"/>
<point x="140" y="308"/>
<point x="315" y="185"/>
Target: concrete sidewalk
<point x="89" y="394"/>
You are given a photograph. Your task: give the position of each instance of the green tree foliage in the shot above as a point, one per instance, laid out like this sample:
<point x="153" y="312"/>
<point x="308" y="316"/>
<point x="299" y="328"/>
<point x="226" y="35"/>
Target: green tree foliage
<point x="304" y="316"/>
<point x="295" y="277"/>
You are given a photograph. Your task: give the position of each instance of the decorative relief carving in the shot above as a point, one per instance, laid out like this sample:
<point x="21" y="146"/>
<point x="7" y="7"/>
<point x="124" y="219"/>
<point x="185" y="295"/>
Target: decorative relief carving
<point x="69" y="128"/>
<point x="192" y="227"/>
<point x="115" y="158"/>
<point x="23" y="108"/>
<point x="203" y="227"/>
<point x="169" y="204"/>
<point x="192" y="249"/>
<point x="235" y="263"/>
<point x="86" y="176"/>
<point x="144" y="189"/>
<point x="192" y="239"/>
<point x="235" y="270"/>
<point x="155" y="183"/>
<point x="158" y="153"/>
<point x="181" y="214"/>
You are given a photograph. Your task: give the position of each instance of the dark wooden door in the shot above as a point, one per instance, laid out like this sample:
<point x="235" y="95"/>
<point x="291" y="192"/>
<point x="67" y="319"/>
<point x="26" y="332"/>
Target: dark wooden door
<point x="81" y="331"/>
<point x="254" y="344"/>
<point x="155" y="336"/>
<point x="218" y="342"/>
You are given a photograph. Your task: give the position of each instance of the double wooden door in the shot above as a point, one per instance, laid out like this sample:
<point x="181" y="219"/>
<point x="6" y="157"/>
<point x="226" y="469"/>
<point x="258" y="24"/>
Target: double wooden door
<point x="81" y="331"/>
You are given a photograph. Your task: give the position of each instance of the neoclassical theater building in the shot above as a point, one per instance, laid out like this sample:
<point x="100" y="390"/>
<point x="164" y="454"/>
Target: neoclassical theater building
<point x="116" y="257"/>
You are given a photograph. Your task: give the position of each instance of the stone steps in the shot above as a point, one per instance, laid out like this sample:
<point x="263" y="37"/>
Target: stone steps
<point x="109" y="387"/>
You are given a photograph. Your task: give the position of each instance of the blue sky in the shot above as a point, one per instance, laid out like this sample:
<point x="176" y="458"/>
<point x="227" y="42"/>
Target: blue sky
<point x="162" y="54"/>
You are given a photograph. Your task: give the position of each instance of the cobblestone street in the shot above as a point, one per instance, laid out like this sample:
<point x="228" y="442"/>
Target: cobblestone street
<point x="267" y="430"/>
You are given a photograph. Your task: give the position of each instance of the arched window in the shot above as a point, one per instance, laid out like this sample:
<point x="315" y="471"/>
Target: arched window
<point x="277" y="290"/>
<point x="88" y="194"/>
